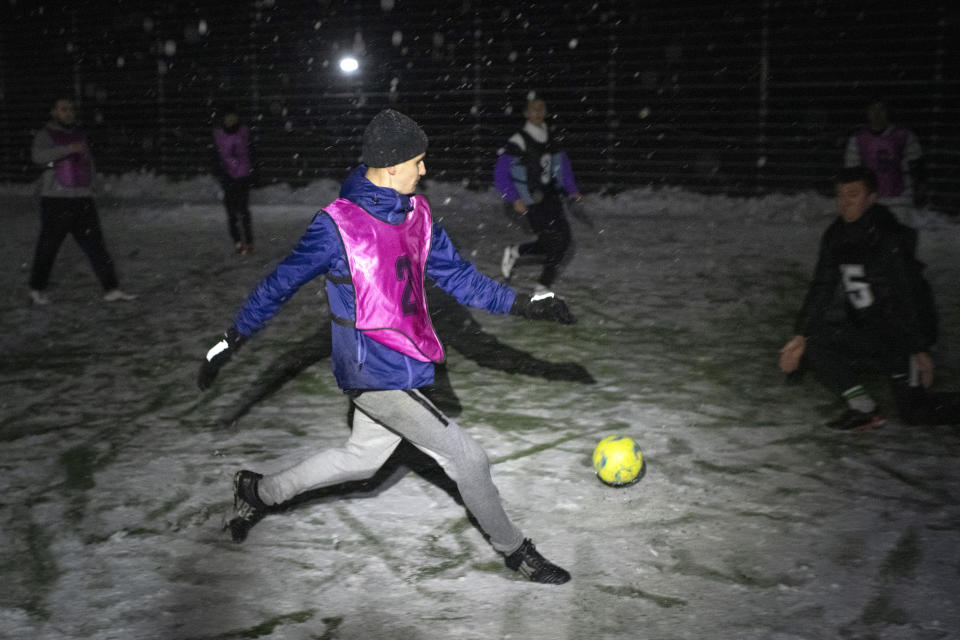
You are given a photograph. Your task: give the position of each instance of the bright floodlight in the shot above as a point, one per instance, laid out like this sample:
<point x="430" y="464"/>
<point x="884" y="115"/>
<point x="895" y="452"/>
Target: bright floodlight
<point x="349" y="64"/>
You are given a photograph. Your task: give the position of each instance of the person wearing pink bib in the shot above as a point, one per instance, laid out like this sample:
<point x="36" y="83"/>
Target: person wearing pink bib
<point x="894" y="155"/>
<point x="376" y="245"/>
<point x="234" y="169"/>
<point x="66" y="204"/>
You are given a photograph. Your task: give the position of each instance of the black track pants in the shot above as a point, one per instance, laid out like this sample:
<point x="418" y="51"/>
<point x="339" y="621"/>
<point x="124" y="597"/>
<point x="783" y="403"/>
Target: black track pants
<point x="76" y="216"/>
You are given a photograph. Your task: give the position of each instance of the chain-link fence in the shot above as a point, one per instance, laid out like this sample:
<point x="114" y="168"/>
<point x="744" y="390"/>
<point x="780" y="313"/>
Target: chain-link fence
<point x="734" y="97"/>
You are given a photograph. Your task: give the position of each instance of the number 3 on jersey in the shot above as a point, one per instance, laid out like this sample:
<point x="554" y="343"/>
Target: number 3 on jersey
<point x="857" y="289"/>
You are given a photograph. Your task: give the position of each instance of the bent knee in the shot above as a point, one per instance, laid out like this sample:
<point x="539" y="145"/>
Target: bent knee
<point x="471" y="460"/>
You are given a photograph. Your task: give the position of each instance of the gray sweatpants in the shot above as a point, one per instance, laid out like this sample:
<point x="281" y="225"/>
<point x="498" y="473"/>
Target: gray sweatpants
<point x="380" y="420"/>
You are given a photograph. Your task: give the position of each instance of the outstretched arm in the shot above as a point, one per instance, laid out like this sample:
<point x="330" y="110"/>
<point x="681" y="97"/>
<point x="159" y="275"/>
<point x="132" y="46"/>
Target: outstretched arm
<point x="463" y="281"/>
<point x="313" y="255"/>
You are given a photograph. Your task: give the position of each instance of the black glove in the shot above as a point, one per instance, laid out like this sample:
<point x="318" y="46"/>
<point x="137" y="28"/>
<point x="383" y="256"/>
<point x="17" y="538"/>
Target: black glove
<point x="542" y="308"/>
<point x="219" y="355"/>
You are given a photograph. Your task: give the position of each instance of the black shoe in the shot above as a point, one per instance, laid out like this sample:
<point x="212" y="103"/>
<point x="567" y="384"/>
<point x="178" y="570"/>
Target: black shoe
<point x="853" y="420"/>
<point x="530" y="564"/>
<point x="248" y="508"/>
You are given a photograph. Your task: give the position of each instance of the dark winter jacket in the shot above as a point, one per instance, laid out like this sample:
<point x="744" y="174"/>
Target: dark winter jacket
<point x="873" y="259"/>
<point x="359" y="362"/>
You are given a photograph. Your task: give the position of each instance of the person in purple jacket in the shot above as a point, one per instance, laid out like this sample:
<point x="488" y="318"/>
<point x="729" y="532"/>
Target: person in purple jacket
<point x="67" y="205"/>
<point x="374" y="245"/>
<point x="233" y="167"/>
<point x="530" y="171"/>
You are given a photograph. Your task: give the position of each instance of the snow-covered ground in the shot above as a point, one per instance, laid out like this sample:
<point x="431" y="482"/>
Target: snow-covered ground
<point x="752" y="522"/>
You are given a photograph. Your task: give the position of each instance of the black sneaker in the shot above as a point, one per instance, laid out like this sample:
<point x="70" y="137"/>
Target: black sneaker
<point x="534" y="567"/>
<point x="248" y="508"/>
<point x="853" y="420"/>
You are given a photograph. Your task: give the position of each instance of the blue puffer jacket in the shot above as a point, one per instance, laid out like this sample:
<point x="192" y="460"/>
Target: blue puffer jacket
<point x="360" y="363"/>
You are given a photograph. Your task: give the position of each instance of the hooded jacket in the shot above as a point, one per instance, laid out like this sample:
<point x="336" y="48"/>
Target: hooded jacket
<point x="360" y="363"/>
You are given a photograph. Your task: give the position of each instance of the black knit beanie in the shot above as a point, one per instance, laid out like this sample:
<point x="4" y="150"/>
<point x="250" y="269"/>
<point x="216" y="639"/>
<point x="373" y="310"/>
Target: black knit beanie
<point x="392" y="138"/>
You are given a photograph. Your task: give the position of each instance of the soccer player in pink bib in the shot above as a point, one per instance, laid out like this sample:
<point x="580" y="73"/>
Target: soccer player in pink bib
<point x="376" y="244"/>
<point x="894" y="155"/>
<point x="66" y="204"/>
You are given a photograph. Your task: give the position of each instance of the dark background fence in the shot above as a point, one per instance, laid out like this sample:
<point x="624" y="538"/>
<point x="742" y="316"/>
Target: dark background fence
<point x="729" y="97"/>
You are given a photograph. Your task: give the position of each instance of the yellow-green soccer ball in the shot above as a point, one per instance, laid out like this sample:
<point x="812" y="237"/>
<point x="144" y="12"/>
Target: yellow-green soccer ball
<point x="618" y="461"/>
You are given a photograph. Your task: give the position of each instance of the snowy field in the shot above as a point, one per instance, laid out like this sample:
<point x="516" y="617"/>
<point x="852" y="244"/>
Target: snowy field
<point x="753" y="520"/>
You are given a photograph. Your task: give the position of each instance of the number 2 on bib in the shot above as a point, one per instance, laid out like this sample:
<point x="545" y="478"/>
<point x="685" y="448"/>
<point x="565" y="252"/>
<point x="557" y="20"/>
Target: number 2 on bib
<point x="408" y="301"/>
